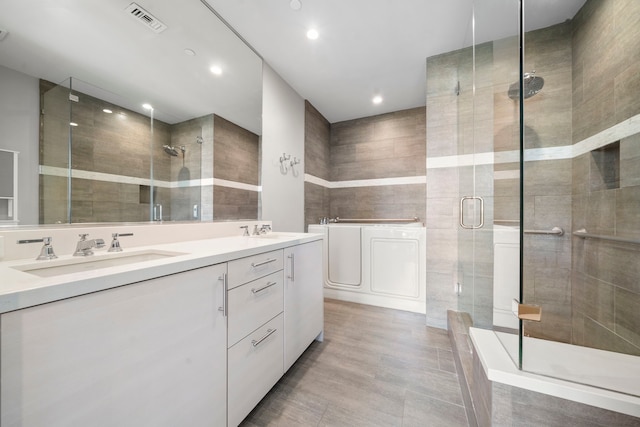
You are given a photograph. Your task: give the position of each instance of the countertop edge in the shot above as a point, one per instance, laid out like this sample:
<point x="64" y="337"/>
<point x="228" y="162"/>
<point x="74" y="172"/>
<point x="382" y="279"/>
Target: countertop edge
<point x="34" y="290"/>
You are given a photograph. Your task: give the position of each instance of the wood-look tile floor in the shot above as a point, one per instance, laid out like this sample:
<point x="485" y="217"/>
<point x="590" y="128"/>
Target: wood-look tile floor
<point x="376" y="367"/>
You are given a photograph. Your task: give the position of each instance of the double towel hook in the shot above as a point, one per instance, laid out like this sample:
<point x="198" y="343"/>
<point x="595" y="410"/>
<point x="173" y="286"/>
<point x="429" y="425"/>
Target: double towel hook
<point x="286" y="162"/>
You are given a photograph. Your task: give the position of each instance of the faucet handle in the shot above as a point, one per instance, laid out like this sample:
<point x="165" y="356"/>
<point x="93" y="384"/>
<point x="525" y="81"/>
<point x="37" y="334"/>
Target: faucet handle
<point x="83" y="236"/>
<point x="47" y="250"/>
<point x="246" y="230"/>
<point x="115" y="243"/>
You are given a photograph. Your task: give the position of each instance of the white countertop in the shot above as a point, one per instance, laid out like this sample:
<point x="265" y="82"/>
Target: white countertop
<point x="19" y="289"/>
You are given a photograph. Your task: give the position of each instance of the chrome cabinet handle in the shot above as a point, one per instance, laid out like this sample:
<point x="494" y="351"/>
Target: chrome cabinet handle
<point x="258" y="264"/>
<point x="474" y="226"/>
<point x="225" y="285"/>
<point x="292" y="276"/>
<point x="257" y="342"/>
<point x="267" y="286"/>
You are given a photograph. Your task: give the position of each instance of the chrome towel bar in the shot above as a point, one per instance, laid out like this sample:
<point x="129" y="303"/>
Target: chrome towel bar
<point x="582" y="233"/>
<point x="368" y="221"/>
<point x="555" y="231"/>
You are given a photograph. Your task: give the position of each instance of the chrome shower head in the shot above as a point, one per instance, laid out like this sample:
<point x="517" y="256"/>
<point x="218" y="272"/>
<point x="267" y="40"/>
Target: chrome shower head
<point x="170" y="150"/>
<point x="532" y="84"/>
<point x="199" y="140"/>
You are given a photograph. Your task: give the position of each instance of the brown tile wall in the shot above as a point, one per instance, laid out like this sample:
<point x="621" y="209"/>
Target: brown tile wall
<point x="317" y="152"/>
<point x="235" y="158"/>
<point x="606" y="183"/>
<point x="384" y="146"/>
<point x="118" y="144"/>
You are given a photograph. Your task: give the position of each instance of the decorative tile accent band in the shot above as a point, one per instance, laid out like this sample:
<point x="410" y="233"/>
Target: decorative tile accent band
<point x="624" y="129"/>
<point x="121" y="179"/>
<point x="366" y="182"/>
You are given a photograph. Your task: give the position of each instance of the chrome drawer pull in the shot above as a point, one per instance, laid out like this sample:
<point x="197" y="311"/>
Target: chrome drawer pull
<point x="267" y="286"/>
<point x="225" y="287"/>
<point x="258" y="264"/>
<point x="256" y="343"/>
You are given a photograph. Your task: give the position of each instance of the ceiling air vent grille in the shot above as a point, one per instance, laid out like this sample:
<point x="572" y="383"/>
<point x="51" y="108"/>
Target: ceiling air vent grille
<point x="145" y="18"/>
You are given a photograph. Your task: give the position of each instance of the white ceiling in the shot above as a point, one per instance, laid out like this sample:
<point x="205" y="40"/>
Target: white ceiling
<point x="369" y="47"/>
<point x="366" y="47"/>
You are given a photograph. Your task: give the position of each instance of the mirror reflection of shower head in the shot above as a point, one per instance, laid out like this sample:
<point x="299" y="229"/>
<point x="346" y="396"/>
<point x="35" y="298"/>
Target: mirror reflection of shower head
<point x="170" y="150"/>
<point x="532" y="85"/>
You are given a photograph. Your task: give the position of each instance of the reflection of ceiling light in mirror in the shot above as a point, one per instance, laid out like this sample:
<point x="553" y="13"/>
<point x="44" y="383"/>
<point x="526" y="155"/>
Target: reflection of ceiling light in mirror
<point x="377" y="99"/>
<point x="106" y="110"/>
<point x="147" y="106"/>
<point x="190" y="52"/>
<point x="216" y="70"/>
<point x="312" y="34"/>
<point x="73" y="124"/>
<point x="295" y="4"/>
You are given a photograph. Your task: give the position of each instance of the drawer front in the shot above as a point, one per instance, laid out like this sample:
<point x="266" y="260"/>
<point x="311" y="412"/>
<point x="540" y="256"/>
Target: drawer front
<point x="245" y="270"/>
<point x="253" y="304"/>
<point x="255" y="365"/>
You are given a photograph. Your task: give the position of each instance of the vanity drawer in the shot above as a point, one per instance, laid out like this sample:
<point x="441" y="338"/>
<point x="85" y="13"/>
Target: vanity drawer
<point x="244" y="270"/>
<point x="253" y="304"/>
<point x="255" y="364"/>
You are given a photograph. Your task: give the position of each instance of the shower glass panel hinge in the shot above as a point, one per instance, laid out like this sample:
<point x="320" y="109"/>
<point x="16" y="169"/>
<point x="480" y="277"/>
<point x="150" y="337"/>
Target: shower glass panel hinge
<point x="526" y="311"/>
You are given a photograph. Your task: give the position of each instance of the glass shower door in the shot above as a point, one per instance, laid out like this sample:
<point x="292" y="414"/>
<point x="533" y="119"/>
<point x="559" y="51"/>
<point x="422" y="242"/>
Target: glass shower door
<point x="581" y="226"/>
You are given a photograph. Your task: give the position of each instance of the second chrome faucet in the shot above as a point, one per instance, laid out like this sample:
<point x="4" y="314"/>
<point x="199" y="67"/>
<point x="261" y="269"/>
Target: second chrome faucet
<point x="84" y="246"/>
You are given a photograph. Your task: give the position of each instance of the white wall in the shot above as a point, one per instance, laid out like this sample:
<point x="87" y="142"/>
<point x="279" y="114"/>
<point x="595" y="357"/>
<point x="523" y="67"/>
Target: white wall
<point x="282" y="132"/>
<point x="19" y="118"/>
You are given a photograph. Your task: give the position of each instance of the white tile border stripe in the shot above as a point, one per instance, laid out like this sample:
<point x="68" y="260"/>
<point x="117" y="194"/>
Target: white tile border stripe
<point x="366" y="182"/>
<point x="121" y="179"/>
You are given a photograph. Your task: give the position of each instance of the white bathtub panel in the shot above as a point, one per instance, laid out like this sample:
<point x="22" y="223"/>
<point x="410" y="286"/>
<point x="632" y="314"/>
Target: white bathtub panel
<point x="345" y="255"/>
<point x="394" y="267"/>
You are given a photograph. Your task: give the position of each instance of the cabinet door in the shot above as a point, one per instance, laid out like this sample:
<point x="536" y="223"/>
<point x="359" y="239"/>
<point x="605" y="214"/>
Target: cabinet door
<point x="147" y="354"/>
<point x="303" y="300"/>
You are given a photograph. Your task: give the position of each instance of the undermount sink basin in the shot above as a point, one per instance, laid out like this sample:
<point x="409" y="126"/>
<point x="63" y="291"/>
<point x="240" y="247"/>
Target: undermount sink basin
<point x="77" y="265"/>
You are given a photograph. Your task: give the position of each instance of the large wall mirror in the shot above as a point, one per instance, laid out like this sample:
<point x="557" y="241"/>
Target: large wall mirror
<point x="134" y="99"/>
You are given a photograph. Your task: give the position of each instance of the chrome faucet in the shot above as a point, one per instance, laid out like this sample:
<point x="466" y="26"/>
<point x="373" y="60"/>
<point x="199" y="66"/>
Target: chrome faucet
<point x="115" y="243"/>
<point x="84" y="246"/>
<point x="47" y="250"/>
<point x="265" y="228"/>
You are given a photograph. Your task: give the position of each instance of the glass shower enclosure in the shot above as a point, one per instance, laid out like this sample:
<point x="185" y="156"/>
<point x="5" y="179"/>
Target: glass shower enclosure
<point x="103" y="162"/>
<point x="533" y="174"/>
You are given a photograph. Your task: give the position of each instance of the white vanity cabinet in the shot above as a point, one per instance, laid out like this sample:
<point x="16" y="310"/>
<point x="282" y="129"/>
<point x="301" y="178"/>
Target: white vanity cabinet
<point x="256" y="336"/>
<point x="151" y="353"/>
<point x="303" y="299"/>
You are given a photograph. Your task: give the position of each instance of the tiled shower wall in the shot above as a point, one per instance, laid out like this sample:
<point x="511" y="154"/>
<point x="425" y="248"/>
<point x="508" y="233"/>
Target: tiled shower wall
<point x="606" y="182"/>
<point x="347" y="156"/>
<point x="236" y="160"/>
<point x="547" y="183"/>
<point x="117" y="146"/>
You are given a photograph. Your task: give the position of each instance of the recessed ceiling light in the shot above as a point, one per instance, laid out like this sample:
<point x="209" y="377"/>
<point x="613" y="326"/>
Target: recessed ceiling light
<point x="147" y="106"/>
<point x="106" y="110"/>
<point x="295" y="4"/>
<point x="216" y="70"/>
<point x="190" y="52"/>
<point x="377" y="99"/>
<point x="312" y="34"/>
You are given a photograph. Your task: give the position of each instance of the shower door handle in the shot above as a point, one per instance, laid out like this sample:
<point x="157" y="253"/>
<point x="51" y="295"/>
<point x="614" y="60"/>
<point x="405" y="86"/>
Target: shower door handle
<point x="462" y="204"/>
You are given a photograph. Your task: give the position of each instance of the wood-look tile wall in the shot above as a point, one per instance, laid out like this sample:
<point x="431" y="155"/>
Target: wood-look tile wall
<point x="547" y="183"/>
<point x="606" y="182"/>
<point x="118" y="144"/>
<point x="236" y="158"/>
<point x="385" y="146"/>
